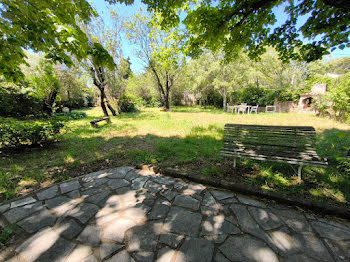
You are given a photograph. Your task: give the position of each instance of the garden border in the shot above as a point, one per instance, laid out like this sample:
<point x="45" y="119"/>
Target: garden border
<point x="250" y="190"/>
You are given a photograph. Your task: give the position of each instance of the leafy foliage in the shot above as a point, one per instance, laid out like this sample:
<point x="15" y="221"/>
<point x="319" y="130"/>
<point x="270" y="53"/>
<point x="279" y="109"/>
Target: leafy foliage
<point x="15" y="133"/>
<point x="72" y="115"/>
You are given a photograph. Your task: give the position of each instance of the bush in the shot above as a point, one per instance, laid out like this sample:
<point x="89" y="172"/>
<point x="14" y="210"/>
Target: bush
<point x="72" y="115"/>
<point x="15" y="133"/>
<point x="129" y="103"/>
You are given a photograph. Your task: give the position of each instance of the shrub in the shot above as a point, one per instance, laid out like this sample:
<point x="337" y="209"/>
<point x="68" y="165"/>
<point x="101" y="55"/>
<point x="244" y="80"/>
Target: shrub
<point x="15" y="133"/>
<point x="129" y="103"/>
<point x="72" y="115"/>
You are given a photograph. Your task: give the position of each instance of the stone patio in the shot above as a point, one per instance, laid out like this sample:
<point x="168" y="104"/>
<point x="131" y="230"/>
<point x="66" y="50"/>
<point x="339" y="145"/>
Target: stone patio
<point x="127" y="214"/>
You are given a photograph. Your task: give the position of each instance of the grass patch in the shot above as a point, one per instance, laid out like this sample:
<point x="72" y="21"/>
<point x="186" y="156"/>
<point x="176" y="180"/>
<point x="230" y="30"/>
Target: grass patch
<point x="188" y="138"/>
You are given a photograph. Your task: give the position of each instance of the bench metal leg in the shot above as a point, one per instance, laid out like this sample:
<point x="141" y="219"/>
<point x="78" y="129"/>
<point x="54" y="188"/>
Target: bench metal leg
<point x="234" y="162"/>
<point x="299" y="171"/>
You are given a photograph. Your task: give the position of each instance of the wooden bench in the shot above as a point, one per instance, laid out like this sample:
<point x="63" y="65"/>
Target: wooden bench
<point x="94" y="122"/>
<point x="287" y="144"/>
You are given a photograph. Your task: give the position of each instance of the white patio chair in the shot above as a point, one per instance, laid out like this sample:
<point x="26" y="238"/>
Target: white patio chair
<point x="254" y="109"/>
<point x="242" y="108"/>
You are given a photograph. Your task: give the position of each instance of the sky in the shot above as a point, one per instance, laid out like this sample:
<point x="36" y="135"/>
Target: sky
<point x="128" y="49"/>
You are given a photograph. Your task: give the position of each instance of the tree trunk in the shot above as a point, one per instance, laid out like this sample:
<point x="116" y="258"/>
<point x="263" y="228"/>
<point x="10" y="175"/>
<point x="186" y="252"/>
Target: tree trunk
<point x="224" y="96"/>
<point x="103" y="106"/>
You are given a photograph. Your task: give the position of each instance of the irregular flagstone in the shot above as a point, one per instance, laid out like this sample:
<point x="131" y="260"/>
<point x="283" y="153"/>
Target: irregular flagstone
<point x="23" y="202"/>
<point x="247" y="248"/>
<point x="221" y="195"/>
<point x="122" y="256"/>
<point x="137" y="214"/>
<point x="83" y="212"/>
<point x="96" y="199"/>
<point x="191" y="189"/>
<point x="120" y="172"/>
<point x="250" y="201"/>
<point x="69" y="186"/>
<point x="168" y="255"/>
<point x="159" y="210"/>
<point x="299" y="258"/>
<point x="163" y="180"/>
<point x="168" y="194"/>
<point x="340" y="249"/>
<point x="95" y="176"/>
<point x="68" y="228"/>
<point x="208" y="200"/>
<point x="182" y="221"/>
<point x="73" y="194"/>
<point x="295" y="220"/>
<point x="266" y="219"/>
<point x="131" y="175"/>
<point x="187" y="202"/>
<point x="152" y="186"/>
<point x="314" y="247"/>
<point x="196" y="249"/>
<point x="217" y="225"/>
<point x="217" y="239"/>
<point x="139" y="182"/>
<point x="47" y="193"/>
<point x="117" y="183"/>
<point x="143" y="237"/>
<point x="15" y="214"/>
<point x="61" y="205"/>
<point x="171" y="239"/>
<point x="91" y="235"/>
<point x="220" y="258"/>
<point x="38" y="220"/>
<point x="331" y="232"/>
<point x="116" y="229"/>
<point x="95" y="182"/>
<point x="144" y="256"/>
<point x="108" y="249"/>
<point x="80" y="253"/>
<point x="285" y="243"/>
<point x="46" y="245"/>
<point x="4" y="207"/>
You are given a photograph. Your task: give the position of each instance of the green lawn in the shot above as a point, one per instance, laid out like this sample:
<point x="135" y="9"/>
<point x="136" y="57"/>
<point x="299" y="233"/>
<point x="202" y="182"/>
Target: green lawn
<point x="186" y="138"/>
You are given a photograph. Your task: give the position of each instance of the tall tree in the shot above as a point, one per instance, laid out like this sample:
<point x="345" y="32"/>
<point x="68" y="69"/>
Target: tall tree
<point x="159" y="50"/>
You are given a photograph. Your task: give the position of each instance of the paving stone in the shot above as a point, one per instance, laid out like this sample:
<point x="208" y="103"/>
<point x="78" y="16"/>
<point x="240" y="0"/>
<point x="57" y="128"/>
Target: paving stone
<point x="116" y="229"/>
<point x="73" y="194"/>
<point x="61" y="205"/>
<point x="91" y="235"/>
<point x="212" y="210"/>
<point x="131" y="175"/>
<point x="168" y="194"/>
<point x="90" y="258"/>
<point x="284" y="242"/>
<point x="170" y="239"/>
<point x="3" y="208"/>
<point x="220" y="258"/>
<point x="95" y="176"/>
<point x="96" y="199"/>
<point x="250" y="201"/>
<point x="159" y="210"/>
<point x="167" y="255"/>
<point x="187" y="202"/>
<point x="120" y="172"/>
<point x="143" y="237"/>
<point x="180" y="185"/>
<point x="208" y="200"/>
<point x="15" y="214"/>
<point x="122" y="256"/>
<point x="47" y="193"/>
<point x="299" y="258"/>
<point x="152" y="186"/>
<point x="69" y="186"/>
<point x="163" y="180"/>
<point x="117" y="183"/>
<point x="331" y="232"/>
<point x="217" y="225"/>
<point x="247" y="248"/>
<point x="46" y="245"/>
<point x="139" y="182"/>
<point x="138" y="214"/>
<point x="95" y="182"/>
<point x="340" y="249"/>
<point x="246" y="222"/>
<point x="266" y="219"/>
<point x="221" y="195"/>
<point x="23" y="202"/>
<point x="80" y="253"/>
<point x="192" y="189"/>
<point x="144" y="256"/>
<point x="196" y="249"/>
<point x="84" y="212"/>
<point x="313" y="247"/>
<point x="295" y="220"/>
<point x="217" y="239"/>
<point x="38" y="220"/>
<point x="182" y="221"/>
<point x="108" y="249"/>
<point x="68" y="228"/>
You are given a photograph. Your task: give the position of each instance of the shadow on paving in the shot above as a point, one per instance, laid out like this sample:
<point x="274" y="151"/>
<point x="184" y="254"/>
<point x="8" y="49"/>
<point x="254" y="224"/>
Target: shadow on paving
<point x="125" y="214"/>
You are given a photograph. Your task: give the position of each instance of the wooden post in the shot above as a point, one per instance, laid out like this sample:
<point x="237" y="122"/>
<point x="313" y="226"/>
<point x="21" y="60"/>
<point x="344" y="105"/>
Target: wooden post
<point x="234" y="162"/>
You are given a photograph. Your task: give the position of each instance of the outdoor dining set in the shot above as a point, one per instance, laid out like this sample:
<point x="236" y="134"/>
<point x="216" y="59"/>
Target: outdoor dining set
<point x="248" y="109"/>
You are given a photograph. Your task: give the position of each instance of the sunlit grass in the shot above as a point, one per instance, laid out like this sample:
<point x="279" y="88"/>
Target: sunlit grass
<point x="186" y="138"/>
